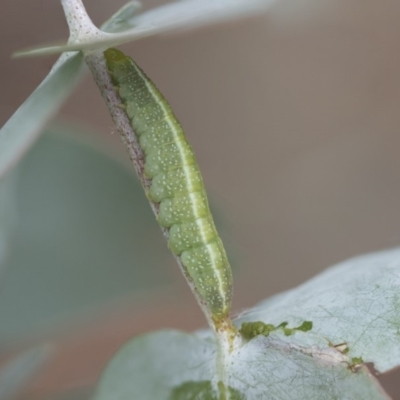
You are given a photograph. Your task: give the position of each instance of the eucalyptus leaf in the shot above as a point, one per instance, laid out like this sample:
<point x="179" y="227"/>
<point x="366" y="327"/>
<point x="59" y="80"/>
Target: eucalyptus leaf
<point x="27" y="123"/>
<point x="20" y="371"/>
<point x="85" y="235"/>
<point x="122" y="20"/>
<point x="171" y="17"/>
<point x="178" y="366"/>
<point x="310" y="342"/>
<point x="8" y="215"/>
<point x="356" y="302"/>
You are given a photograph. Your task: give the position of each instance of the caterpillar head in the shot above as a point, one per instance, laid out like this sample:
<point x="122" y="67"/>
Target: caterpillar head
<point x="117" y="62"/>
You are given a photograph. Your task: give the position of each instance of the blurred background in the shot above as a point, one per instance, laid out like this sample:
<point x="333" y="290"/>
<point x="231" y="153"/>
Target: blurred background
<point x="294" y="119"/>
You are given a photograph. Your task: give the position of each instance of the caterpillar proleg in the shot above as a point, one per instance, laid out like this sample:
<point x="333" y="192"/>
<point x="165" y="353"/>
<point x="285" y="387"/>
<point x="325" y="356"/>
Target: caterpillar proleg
<point x="176" y="184"/>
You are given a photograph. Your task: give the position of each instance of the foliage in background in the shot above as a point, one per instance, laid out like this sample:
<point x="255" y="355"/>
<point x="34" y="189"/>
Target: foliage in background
<point x="84" y="234"/>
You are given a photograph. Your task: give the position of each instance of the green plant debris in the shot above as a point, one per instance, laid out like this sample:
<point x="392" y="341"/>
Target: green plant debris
<point x="249" y="330"/>
<point x="252" y="329"/>
<point x="355" y="364"/>
<point x="356" y="361"/>
<point x="304" y="327"/>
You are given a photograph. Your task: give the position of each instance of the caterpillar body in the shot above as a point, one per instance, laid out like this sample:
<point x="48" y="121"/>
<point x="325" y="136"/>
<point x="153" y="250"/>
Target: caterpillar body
<point x="176" y="184"/>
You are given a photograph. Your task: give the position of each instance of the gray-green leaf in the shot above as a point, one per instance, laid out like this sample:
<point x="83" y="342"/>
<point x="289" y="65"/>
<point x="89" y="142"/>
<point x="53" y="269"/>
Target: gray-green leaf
<point x="27" y="123"/>
<point x="179" y="15"/>
<point x="174" y="365"/>
<point x="85" y="235"/>
<point x="356" y="302"/>
<point x="339" y="320"/>
<point x="8" y="215"/>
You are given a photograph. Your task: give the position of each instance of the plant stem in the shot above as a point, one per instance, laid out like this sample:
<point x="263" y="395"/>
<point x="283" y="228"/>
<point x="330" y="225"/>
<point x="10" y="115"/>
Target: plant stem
<point x="81" y="27"/>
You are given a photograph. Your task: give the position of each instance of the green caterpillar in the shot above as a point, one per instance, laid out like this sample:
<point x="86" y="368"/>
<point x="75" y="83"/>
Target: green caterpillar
<point x="176" y="184"/>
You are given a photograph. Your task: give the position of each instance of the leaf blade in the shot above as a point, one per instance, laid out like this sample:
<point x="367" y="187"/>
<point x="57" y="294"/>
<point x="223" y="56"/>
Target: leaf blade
<point x="356" y="302"/>
<point x="26" y="124"/>
<point x="176" y="16"/>
<point x="174" y="365"/>
<point x="353" y="308"/>
<point x="77" y="240"/>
